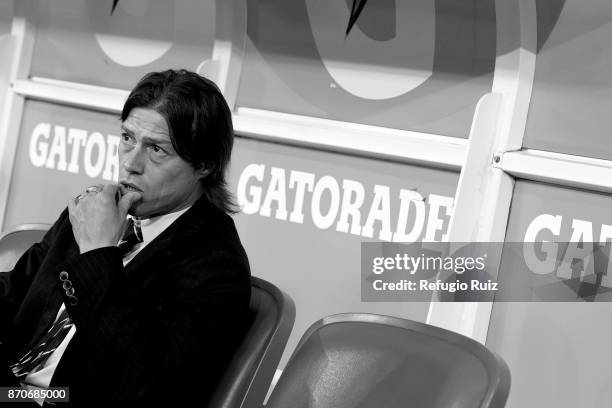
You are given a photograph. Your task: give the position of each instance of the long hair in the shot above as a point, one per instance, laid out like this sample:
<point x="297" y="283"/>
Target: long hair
<point x="199" y="122"/>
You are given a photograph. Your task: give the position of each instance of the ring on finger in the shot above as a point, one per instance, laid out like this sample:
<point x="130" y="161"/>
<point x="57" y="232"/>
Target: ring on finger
<point x="93" y="189"/>
<point x="78" y="198"/>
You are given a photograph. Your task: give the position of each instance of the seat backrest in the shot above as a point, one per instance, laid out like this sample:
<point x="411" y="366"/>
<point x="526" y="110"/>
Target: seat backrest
<point x="14" y="242"/>
<point x="361" y="360"/>
<point x="249" y="375"/>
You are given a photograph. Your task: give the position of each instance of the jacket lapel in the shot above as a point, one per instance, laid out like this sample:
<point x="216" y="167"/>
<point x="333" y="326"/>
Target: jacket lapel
<point x="189" y="224"/>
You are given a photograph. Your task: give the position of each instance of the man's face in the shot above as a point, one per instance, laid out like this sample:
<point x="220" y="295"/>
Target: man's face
<point x="149" y="164"/>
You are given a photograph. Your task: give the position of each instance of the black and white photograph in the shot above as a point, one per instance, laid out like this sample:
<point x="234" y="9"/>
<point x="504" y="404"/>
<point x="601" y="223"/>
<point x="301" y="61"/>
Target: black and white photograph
<point x="305" y="203"/>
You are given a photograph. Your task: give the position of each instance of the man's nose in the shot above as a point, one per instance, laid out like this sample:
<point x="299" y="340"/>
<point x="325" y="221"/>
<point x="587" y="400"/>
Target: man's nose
<point x="133" y="161"/>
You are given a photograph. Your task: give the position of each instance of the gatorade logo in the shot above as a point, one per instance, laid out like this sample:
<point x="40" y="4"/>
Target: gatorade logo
<point x="139" y="32"/>
<point x="395" y="55"/>
<point x="420" y="65"/>
<point x="344" y="205"/>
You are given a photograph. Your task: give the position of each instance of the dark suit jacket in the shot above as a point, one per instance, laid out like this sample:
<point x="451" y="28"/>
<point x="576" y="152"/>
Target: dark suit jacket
<point x="161" y="329"/>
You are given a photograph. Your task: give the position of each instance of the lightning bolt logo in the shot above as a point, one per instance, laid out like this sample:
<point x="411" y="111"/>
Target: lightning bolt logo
<point x="356" y="10"/>
<point x="115" y="2"/>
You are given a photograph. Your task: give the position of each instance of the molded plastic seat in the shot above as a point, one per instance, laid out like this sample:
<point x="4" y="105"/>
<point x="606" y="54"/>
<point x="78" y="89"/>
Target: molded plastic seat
<point x="14" y="242"/>
<point x="362" y="360"/>
<point x="249" y="375"/>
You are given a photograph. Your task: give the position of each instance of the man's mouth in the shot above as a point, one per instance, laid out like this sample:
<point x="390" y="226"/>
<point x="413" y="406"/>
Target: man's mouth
<point x="128" y="187"/>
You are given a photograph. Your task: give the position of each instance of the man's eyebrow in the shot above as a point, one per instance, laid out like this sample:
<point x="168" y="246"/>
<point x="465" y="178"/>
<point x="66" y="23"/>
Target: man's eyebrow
<point x="152" y="140"/>
<point x="148" y="139"/>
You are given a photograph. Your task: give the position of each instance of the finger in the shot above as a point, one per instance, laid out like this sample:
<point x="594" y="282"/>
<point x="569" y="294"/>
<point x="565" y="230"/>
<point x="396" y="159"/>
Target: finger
<point x="95" y="188"/>
<point x="110" y="193"/>
<point x="126" y="202"/>
<point x="71" y="207"/>
<point x="72" y="212"/>
<point x="110" y="189"/>
<point x="80" y="199"/>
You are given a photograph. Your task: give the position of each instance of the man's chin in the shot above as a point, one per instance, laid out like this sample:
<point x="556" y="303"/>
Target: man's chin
<point x="142" y="212"/>
<point x="136" y="210"/>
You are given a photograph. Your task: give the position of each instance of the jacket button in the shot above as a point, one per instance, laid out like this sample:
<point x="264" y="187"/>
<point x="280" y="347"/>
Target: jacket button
<point x="63" y="276"/>
<point x="67" y="285"/>
<point x="70" y="292"/>
<point x="73" y="300"/>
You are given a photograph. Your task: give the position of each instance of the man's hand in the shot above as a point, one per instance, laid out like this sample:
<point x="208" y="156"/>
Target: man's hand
<point x="98" y="219"/>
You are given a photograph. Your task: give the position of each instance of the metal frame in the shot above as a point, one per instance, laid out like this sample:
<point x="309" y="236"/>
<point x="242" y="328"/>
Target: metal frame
<point x="484" y="193"/>
<point x="72" y="94"/>
<point x="400" y="145"/>
<point x="229" y="46"/>
<point x="557" y="168"/>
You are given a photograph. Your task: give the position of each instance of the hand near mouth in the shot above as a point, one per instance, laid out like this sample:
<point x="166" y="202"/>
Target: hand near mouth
<point x="127" y="187"/>
<point x="99" y="219"/>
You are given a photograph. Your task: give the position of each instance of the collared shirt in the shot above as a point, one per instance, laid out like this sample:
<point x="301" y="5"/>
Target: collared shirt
<point x="40" y="377"/>
<point x="151" y="228"/>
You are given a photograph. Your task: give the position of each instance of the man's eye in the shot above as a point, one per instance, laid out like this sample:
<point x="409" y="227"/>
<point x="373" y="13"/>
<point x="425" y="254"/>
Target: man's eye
<point x="158" y="151"/>
<point x="125" y="137"/>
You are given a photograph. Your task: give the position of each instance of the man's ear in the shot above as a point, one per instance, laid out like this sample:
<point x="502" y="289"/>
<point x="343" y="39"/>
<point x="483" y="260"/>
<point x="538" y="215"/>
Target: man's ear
<point x="204" y="171"/>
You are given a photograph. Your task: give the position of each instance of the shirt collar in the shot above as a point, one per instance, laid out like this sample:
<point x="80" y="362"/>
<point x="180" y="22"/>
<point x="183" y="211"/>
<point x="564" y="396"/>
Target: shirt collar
<point x="152" y="227"/>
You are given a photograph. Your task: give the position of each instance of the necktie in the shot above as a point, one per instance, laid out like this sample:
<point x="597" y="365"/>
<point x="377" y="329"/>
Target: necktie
<point x="44" y="347"/>
<point x="47" y="344"/>
<point x="131" y="237"/>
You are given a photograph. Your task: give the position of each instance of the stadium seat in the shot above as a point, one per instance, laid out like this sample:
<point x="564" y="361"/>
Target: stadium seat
<point x="14" y="242"/>
<point x="372" y="361"/>
<point x="249" y="375"/>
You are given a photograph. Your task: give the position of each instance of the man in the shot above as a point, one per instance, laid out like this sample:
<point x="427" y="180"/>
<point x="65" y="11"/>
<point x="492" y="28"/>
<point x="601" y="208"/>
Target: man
<point x="158" y="320"/>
